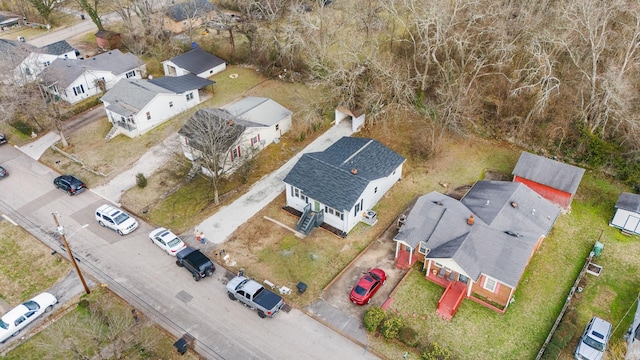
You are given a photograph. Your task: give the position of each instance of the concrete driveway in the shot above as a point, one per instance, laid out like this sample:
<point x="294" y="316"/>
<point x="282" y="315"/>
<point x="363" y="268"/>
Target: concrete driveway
<point x="334" y="306"/>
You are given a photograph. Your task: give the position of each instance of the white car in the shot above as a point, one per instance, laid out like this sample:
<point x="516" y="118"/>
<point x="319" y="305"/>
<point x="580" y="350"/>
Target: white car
<point x="593" y="341"/>
<point x="115" y="219"/>
<point x="24" y="314"/>
<point x="167" y="241"/>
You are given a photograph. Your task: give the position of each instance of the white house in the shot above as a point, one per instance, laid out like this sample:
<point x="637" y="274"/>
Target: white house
<point x="627" y="216"/>
<point x="261" y="122"/>
<point x="135" y="106"/>
<point x="339" y="185"/>
<point x="74" y="80"/>
<point x="25" y="62"/>
<point x="196" y="61"/>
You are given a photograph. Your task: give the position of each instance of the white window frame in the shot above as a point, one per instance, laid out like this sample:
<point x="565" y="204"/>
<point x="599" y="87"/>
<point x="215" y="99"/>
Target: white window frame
<point x="490" y="283"/>
<point x="189" y="96"/>
<point x="422" y="248"/>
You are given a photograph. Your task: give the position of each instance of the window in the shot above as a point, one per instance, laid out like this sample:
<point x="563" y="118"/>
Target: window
<point x="77" y="90"/>
<point x="47" y="63"/>
<point x="375" y="190"/>
<point x="255" y="139"/>
<point x="148" y="115"/>
<point x="190" y="96"/>
<point x="356" y="210"/>
<point x="334" y="212"/>
<point x="170" y="104"/>
<point x="235" y="153"/>
<point x="130" y="74"/>
<point x="277" y="127"/>
<point x="490" y="284"/>
<point x="422" y="248"/>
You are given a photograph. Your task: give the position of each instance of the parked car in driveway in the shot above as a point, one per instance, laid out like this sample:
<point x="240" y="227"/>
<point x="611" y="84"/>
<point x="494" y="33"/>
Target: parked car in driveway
<point x="594" y="339"/>
<point x="22" y="315"/>
<point x="115" y="219"/>
<point x="367" y="286"/>
<point x="3" y="139"/>
<point x="167" y="241"/>
<point x="69" y="184"/>
<point x="3" y="172"/>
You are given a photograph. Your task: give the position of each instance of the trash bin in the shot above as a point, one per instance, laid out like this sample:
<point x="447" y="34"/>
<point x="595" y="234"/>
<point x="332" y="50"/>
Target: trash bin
<point x="597" y="249"/>
<point x="82" y="16"/>
<point x="181" y="346"/>
<point x="302" y="287"/>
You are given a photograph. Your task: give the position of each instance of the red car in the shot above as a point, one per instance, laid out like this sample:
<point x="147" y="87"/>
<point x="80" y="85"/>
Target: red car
<point x="367" y="286"/>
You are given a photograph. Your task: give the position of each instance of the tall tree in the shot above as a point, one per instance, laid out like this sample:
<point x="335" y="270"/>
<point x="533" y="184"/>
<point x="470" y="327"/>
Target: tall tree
<point x="91" y="8"/>
<point x="215" y="139"/>
<point x="44" y="8"/>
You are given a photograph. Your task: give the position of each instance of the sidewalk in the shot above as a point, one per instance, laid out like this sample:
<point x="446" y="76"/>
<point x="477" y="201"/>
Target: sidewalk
<point x="223" y="223"/>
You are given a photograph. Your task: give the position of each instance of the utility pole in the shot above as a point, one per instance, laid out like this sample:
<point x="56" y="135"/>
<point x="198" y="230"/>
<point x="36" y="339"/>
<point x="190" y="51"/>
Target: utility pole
<point x="73" y="260"/>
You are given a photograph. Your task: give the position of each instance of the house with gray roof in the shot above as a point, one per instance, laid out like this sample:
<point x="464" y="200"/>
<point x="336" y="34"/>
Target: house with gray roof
<point x="554" y="180"/>
<point x="196" y="61"/>
<point x="477" y="247"/>
<point x="74" y="80"/>
<point x="187" y="15"/>
<point x="627" y="215"/>
<point x="338" y="187"/>
<point x="259" y="122"/>
<point x="25" y="62"/>
<point x="135" y="106"/>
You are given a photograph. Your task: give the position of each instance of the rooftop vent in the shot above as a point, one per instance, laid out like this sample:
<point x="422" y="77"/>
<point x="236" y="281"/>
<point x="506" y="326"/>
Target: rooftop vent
<point x="230" y="122"/>
<point x="354" y="171"/>
<point x="514" y="204"/>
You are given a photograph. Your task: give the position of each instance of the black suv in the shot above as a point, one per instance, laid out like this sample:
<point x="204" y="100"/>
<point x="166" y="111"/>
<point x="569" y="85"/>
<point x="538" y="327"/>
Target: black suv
<point x="70" y="184"/>
<point x="196" y="262"/>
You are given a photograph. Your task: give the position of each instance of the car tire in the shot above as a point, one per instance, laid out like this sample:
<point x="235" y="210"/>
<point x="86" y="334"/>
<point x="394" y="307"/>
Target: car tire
<point x="179" y="263"/>
<point x="262" y="314"/>
<point x="48" y="309"/>
<point x="231" y="296"/>
<point x="196" y="277"/>
<point x="16" y="333"/>
<point x="167" y="251"/>
<point x="101" y="223"/>
<point x="120" y="232"/>
<point x="208" y="272"/>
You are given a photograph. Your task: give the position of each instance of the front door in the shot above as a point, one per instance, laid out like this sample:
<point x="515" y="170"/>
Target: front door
<point x="316" y="206"/>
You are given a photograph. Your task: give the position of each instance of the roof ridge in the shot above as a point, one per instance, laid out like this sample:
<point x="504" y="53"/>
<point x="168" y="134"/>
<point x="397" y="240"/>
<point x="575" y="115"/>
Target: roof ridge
<point x="357" y="152"/>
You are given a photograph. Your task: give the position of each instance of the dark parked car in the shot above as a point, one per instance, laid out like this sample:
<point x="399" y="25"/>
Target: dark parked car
<point x="367" y="286"/>
<point x="3" y="172"/>
<point x="69" y="184"/>
<point x="198" y="264"/>
<point x="3" y="139"/>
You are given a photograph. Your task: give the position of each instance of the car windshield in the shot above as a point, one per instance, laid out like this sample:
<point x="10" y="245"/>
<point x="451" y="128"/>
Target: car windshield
<point x="3" y="325"/>
<point x="360" y="290"/>
<point x="174" y="242"/>
<point x="122" y="217"/>
<point x="31" y="305"/>
<point x="594" y="343"/>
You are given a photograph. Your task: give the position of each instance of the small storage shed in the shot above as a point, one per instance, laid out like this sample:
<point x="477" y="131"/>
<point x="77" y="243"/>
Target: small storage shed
<point x="627" y="216"/>
<point x="107" y="40"/>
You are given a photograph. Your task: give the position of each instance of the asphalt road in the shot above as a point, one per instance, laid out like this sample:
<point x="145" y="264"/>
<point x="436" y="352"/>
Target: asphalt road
<point x="149" y="280"/>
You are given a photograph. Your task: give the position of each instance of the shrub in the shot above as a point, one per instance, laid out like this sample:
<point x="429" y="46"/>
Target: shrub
<point x="373" y="317"/>
<point x="408" y="336"/>
<point x="436" y="352"/>
<point x="141" y="180"/>
<point x="391" y="327"/>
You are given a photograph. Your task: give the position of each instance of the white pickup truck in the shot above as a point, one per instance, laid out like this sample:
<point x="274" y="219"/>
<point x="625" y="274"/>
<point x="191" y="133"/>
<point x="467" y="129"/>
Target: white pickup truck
<point x="252" y="294"/>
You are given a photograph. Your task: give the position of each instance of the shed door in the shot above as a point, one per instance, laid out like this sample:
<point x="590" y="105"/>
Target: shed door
<point x="632" y="224"/>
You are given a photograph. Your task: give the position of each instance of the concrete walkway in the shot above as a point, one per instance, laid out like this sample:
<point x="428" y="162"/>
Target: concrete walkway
<point x="36" y="148"/>
<point x="223" y="223"/>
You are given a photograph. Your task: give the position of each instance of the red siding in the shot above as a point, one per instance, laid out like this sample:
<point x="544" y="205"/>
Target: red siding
<point x="554" y="195"/>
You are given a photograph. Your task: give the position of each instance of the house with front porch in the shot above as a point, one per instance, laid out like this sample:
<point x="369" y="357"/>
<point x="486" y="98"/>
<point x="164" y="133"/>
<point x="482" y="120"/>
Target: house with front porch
<point x="478" y="247"/>
<point x="74" y="80"/>
<point x="554" y="180"/>
<point x="135" y="106"/>
<point x="336" y="188"/>
<point x="258" y="122"/>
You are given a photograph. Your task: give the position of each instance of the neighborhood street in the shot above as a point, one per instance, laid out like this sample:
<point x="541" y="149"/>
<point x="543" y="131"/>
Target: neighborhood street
<point x="149" y="280"/>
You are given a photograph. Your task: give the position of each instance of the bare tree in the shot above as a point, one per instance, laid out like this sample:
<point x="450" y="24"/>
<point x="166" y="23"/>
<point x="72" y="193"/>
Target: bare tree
<point x="91" y="8"/>
<point x="214" y="138"/>
<point x="44" y="8"/>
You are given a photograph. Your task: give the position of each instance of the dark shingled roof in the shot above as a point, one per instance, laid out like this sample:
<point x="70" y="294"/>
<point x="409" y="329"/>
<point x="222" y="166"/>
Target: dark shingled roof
<point x="197" y="61"/>
<point x="180" y="84"/>
<point x="629" y="202"/>
<point x="549" y="172"/>
<point x="327" y="176"/>
<point x="13" y="52"/>
<point x="57" y="48"/>
<point x="187" y="9"/>
<point x="500" y="241"/>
